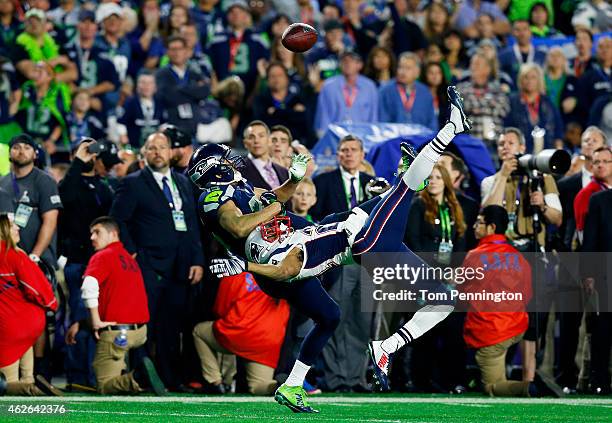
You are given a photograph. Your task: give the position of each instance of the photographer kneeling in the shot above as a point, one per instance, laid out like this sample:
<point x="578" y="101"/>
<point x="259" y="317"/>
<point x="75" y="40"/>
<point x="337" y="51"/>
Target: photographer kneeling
<point x="532" y="202"/>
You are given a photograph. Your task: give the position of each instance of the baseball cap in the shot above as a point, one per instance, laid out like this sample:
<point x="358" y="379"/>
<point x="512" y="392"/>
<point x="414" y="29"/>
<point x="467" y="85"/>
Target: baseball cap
<point x="332" y="24"/>
<point x="23" y="139"/>
<point x="110" y="154"/>
<point x="36" y="13"/>
<point x="177" y="137"/>
<point x="350" y="52"/>
<point x="228" y="4"/>
<point x="106" y="10"/>
<point x="87" y="15"/>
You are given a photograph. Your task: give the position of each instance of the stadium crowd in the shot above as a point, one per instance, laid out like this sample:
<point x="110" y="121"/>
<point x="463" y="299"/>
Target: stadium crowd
<point x="152" y="80"/>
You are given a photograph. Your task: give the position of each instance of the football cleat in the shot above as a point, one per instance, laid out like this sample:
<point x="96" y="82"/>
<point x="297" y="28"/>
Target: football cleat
<point x="294" y="398"/>
<point x="457" y="115"/>
<point x="408" y="156"/>
<point x="380" y="359"/>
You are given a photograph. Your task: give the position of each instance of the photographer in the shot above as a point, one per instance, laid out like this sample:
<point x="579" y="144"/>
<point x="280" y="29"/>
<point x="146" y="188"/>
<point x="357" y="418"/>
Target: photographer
<point x="512" y="188"/>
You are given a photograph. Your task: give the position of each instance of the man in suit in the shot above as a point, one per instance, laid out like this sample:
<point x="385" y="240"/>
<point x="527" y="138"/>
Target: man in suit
<point x="157" y="216"/>
<point x="596" y="278"/>
<point x="259" y="168"/>
<point x="337" y="191"/>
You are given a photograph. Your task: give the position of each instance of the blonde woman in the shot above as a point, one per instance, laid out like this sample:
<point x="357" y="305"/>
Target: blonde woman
<point x="530" y="107"/>
<point x="25" y="296"/>
<point x="560" y="84"/>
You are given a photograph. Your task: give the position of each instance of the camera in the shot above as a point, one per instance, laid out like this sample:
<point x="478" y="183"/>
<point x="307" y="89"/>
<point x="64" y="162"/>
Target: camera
<point x="96" y="147"/>
<point x="547" y="161"/>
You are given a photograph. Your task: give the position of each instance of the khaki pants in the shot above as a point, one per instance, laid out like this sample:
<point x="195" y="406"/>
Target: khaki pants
<point x="259" y="377"/>
<point x="492" y="363"/>
<point x="109" y="362"/>
<point x="20" y="376"/>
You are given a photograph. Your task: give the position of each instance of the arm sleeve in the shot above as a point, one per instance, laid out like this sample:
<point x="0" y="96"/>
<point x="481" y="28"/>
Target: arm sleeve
<point x="123" y="208"/>
<point x="90" y="291"/>
<point x="49" y="195"/>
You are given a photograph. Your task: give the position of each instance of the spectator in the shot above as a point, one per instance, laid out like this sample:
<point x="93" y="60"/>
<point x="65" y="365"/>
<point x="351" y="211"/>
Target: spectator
<point x="362" y="24"/>
<point x="23" y="316"/>
<point x="197" y="58"/>
<point x="486" y="32"/>
<point x="578" y="177"/>
<point x="488" y="49"/>
<point x="182" y="148"/>
<point x="113" y="291"/>
<point x="111" y="42"/>
<point x="311" y="16"/>
<point x="293" y="62"/>
<point x="146" y="45"/>
<point x="170" y="257"/>
<point x="183" y="88"/>
<point x="406" y="100"/>
<point x="36" y="45"/>
<point x="490" y="328"/>
<point x="602" y="180"/>
<point x="206" y="15"/>
<point x="96" y="73"/>
<point x="65" y="19"/>
<point x="406" y="33"/>
<point x="596" y="15"/>
<point x="142" y="113"/>
<point x="433" y="76"/>
<point x="484" y="101"/>
<point x="459" y="173"/>
<point x="530" y="107"/>
<point x="595" y="84"/>
<point x="437" y="22"/>
<point x="538" y="18"/>
<point x="249" y="324"/>
<point x="10" y="26"/>
<point x="85" y="197"/>
<point x="584" y="60"/>
<point x="456" y="56"/>
<point x="347" y="97"/>
<point x="176" y="19"/>
<point x="281" y="104"/>
<point x="324" y="60"/>
<point x="280" y="150"/>
<point x="304" y="198"/>
<point x="259" y="169"/>
<point x="520" y="10"/>
<point x="521" y="52"/>
<point x="597" y="239"/>
<point x="10" y="97"/>
<point x="82" y="122"/>
<point x="560" y="86"/>
<point x="435" y="53"/>
<point x="380" y="65"/>
<point x="43" y="109"/>
<point x="468" y="13"/>
<point x="238" y="50"/>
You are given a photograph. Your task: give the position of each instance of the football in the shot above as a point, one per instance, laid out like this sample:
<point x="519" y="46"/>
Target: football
<point x="299" y="37"/>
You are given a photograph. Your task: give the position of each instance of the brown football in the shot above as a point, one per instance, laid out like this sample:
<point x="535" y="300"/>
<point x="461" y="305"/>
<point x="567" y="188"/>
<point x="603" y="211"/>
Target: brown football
<point x="299" y="37"/>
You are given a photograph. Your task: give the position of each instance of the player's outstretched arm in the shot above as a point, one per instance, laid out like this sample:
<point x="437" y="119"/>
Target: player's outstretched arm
<point x="240" y="225"/>
<point x="287" y="269"/>
<point x="297" y="170"/>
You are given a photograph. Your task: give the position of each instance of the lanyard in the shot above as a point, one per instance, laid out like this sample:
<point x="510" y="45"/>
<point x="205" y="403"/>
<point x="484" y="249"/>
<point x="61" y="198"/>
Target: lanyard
<point x="407" y="102"/>
<point x="234" y="45"/>
<point x="519" y="55"/>
<point x="533" y="109"/>
<point x="602" y="186"/>
<point x="445" y="222"/>
<point x="350" y="95"/>
<point x="16" y="190"/>
<point x="517" y="201"/>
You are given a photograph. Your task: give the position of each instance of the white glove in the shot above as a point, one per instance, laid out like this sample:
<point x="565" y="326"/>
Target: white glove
<point x="299" y="164"/>
<point x="221" y="267"/>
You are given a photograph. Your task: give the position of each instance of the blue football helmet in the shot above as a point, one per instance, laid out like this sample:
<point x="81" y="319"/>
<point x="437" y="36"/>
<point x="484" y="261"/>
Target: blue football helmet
<point x="213" y="164"/>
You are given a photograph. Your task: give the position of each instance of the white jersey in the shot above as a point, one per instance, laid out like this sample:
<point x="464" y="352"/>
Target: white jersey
<point x="324" y="247"/>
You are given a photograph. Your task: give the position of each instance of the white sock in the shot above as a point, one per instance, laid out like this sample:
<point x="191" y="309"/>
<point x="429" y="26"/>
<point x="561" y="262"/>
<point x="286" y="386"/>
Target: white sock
<point x="422" y="321"/>
<point x="298" y="374"/>
<point x="423" y="164"/>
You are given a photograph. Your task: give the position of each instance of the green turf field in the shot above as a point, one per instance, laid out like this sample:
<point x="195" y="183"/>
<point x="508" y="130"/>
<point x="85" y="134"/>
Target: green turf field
<point x="349" y="408"/>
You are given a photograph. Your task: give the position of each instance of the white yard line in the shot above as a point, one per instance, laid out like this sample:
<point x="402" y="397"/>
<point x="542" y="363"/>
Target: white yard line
<point x="314" y="399"/>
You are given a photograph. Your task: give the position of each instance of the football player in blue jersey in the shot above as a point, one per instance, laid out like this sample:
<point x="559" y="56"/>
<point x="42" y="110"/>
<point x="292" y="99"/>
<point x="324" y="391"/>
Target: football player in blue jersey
<point x="278" y="252"/>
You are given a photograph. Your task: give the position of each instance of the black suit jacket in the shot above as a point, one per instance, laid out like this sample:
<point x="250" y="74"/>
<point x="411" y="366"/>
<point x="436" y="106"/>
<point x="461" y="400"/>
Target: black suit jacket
<point x="331" y="196"/>
<point x="569" y="187"/>
<point x="596" y="260"/>
<point x="147" y="227"/>
<point x="258" y="180"/>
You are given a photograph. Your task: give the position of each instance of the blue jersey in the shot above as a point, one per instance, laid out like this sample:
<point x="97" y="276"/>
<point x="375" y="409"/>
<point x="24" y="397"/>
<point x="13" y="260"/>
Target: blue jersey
<point x="242" y="195"/>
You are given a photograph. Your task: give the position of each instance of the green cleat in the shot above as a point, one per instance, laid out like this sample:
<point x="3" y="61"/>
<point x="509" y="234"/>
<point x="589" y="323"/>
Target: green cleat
<point x="408" y="156"/>
<point x="293" y="397"/>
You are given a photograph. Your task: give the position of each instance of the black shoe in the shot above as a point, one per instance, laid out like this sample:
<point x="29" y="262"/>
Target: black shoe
<point x="46" y="387"/>
<point x="546" y="386"/>
<point x="457" y="114"/>
<point x="146" y="376"/>
<point x="212" y="389"/>
<point x="2" y="384"/>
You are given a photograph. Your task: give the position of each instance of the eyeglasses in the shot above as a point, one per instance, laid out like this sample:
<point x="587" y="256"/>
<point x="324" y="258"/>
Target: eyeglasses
<point x="598" y="162"/>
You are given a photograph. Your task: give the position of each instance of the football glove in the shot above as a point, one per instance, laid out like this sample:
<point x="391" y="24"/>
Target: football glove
<point x="299" y="164"/>
<point x="221" y="267"/>
<point x="269" y="197"/>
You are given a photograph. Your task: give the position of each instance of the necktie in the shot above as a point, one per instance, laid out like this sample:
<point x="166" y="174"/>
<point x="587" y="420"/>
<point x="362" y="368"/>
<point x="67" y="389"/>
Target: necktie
<point x="272" y="178"/>
<point x="167" y="191"/>
<point x="353" y="193"/>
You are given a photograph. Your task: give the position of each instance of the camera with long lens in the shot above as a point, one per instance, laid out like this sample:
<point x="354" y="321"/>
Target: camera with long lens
<point x="549" y="161"/>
